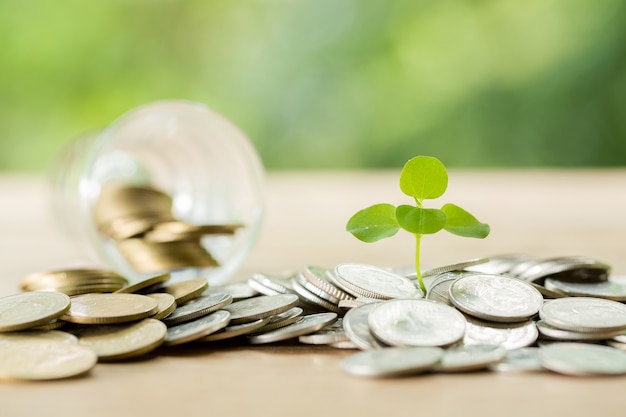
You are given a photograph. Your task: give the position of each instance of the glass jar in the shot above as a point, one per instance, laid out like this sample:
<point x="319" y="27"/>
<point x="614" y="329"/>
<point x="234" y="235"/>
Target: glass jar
<point x="197" y="159"/>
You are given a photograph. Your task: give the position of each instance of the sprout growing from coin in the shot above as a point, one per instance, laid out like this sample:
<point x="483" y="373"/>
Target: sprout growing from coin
<point x="423" y="178"/>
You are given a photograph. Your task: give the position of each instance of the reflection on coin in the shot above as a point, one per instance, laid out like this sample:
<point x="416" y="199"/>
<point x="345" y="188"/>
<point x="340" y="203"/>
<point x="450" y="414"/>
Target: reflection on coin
<point x="30" y="309"/>
<point x="583" y="359"/>
<point x="604" y="289"/>
<point x="122" y="341"/>
<point x="510" y="336"/>
<point x="187" y="290"/>
<point x="146" y="282"/>
<point x="197" y="307"/>
<point x="110" y="308"/>
<point x="392" y="361"/>
<point x="470" y="358"/>
<point x="197" y="329"/>
<point x="519" y="360"/>
<point x="416" y="322"/>
<point x="584" y="314"/>
<point x="166" y="304"/>
<point x="44" y="360"/>
<point x="374" y="282"/>
<point x="260" y="307"/>
<point x="356" y="326"/>
<point x="495" y="297"/>
<point x="236" y="330"/>
<point x="306" y="324"/>
<point x="48" y="335"/>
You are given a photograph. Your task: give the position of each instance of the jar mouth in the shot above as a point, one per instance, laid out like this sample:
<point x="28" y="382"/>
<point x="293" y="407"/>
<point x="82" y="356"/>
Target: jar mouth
<point x="209" y="168"/>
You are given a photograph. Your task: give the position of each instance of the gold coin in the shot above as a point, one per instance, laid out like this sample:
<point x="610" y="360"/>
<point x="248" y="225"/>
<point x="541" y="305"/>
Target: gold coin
<point x="110" y="308"/>
<point x="187" y="290"/>
<point x="145" y="283"/>
<point x="52" y="279"/>
<point x="44" y="360"/>
<point x="123" y="341"/>
<point x="48" y="335"/>
<point x="167" y="304"/>
<point x="30" y="309"/>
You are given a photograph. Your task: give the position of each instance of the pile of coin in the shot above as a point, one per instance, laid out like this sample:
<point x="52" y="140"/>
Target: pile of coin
<point x="476" y="315"/>
<point x="139" y="219"/>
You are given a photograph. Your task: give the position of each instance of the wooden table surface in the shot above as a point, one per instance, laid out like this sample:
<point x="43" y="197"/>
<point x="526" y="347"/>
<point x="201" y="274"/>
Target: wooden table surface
<point x="544" y="213"/>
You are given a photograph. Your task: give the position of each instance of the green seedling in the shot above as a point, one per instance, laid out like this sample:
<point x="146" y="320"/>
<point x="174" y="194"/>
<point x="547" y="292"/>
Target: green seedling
<point x="423" y="178"/>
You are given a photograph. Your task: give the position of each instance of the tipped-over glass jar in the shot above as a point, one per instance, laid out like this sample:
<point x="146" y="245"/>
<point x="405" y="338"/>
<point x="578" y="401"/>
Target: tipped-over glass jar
<point x="170" y="186"/>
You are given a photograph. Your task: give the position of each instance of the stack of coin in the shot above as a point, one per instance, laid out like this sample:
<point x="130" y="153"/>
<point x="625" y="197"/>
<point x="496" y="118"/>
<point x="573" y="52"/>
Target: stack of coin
<point x="74" y="281"/>
<point x="141" y="222"/>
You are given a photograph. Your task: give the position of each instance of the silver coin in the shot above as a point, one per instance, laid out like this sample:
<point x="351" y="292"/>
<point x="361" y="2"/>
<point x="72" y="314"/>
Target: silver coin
<point x="510" y="336"/>
<point x="319" y="277"/>
<point x="604" y="289"/>
<point x="238" y="290"/>
<point x="370" y="281"/>
<point x="584" y="314"/>
<point x="282" y="319"/>
<point x="279" y="284"/>
<point x="356" y="326"/>
<point x="236" y="330"/>
<point x="344" y="344"/>
<point x="500" y="264"/>
<point x="617" y="345"/>
<point x="455" y="267"/>
<point x="416" y="322"/>
<point x="470" y="358"/>
<point x="519" y="360"/>
<point x="586" y="267"/>
<point x="308" y="297"/>
<point x="255" y="308"/>
<point x="307" y="324"/>
<point x="392" y="361"/>
<point x="332" y="333"/>
<point x="306" y="284"/>
<point x="198" y="307"/>
<point x="439" y="289"/>
<point x="356" y="302"/>
<point x="583" y="359"/>
<point x="495" y="297"/>
<point x="555" y="333"/>
<point x="197" y="329"/>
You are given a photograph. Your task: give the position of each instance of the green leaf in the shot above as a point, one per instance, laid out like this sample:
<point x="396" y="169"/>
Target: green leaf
<point x="424" y="177"/>
<point x="374" y="223"/>
<point x="420" y="221"/>
<point x="462" y="223"/>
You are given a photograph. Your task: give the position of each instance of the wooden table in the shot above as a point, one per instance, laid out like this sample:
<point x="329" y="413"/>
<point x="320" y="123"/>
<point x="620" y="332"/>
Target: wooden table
<point x="544" y="213"/>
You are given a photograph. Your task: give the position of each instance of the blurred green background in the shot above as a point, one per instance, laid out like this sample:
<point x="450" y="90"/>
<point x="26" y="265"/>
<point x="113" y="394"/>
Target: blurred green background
<point x="328" y="83"/>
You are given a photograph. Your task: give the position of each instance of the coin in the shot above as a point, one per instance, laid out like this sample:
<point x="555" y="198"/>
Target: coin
<point x="370" y="281"/>
<point x="49" y="335"/>
<point x="260" y="307"/>
<point x="470" y="358"/>
<point x="388" y="362"/>
<point x="454" y="267"/>
<point x="44" y="360"/>
<point x="122" y="341"/>
<point x="186" y="290"/>
<point x="236" y="330"/>
<point x="30" y="309"/>
<point x="333" y="333"/>
<point x="510" y="336"/>
<point x="282" y="319"/>
<point x="197" y="329"/>
<point x="356" y="326"/>
<point x="552" y="332"/>
<point x="313" y="299"/>
<point x="271" y="285"/>
<point x="519" y="360"/>
<point x="583" y="359"/>
<point x="495" y="297"/>
<point x="416" y="322"/>
<point x="197" y="307"/>
<point x="146" y="282"/>
<point x="584" y="314"/>
<point x="307" y="324"/>
<point x="110" y="308"/>
<point x="440" y="288"/>
<point x="576" y="267"/>
<point x="501" y="264"/>
<point x="603" y="289"/>
<point x="238" y="290"/>
<point x="166" y="304"/>
<point x="319" y="278"/>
